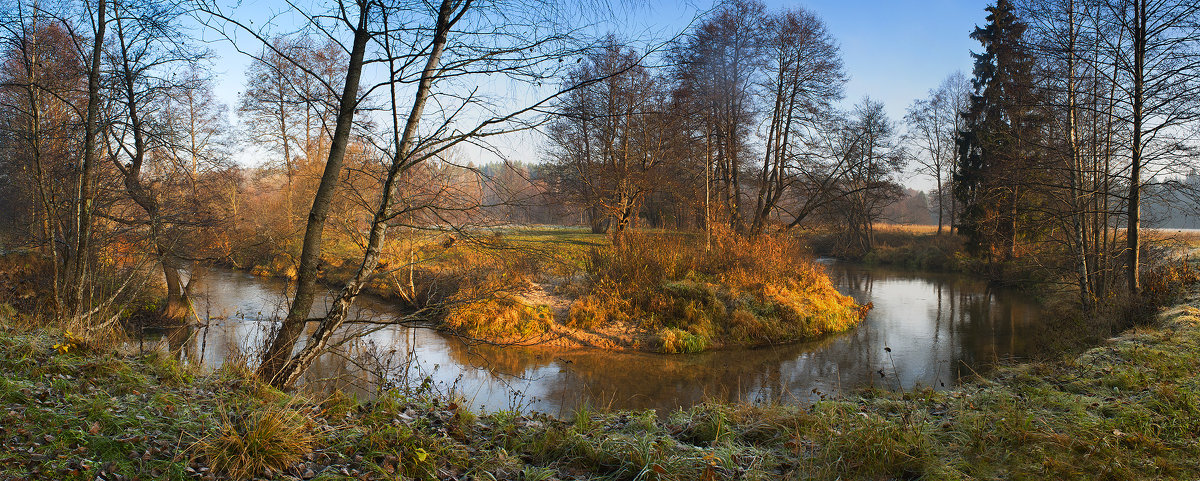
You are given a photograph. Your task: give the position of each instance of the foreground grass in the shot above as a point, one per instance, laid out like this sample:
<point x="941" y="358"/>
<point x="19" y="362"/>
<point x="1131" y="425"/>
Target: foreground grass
<point x="1129" y="409"/>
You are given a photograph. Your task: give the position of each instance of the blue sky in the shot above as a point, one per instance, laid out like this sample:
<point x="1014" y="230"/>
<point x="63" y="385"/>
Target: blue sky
<point x="894" y="50"/>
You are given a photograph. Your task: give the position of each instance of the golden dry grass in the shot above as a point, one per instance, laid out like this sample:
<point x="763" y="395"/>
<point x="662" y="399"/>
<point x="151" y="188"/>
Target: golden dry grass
<point x="907" y="228"/>
<point x="744" y="291"/>
<point x="261" y="442"/>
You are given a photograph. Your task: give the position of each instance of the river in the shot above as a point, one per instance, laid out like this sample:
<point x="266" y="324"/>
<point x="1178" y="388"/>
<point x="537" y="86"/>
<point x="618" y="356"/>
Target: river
<point x="925" y="330"/>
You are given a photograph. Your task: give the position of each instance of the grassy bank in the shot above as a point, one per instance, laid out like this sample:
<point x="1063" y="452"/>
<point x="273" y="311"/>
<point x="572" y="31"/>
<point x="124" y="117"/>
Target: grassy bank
<point x="689" y="296"/>
<point x="1129" y="409"/>
<point x="662" y="291"/>
<point x="907" y="247"/>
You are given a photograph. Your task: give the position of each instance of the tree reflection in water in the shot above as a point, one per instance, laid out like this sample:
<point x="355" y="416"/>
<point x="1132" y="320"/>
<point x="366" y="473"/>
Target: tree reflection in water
<point x="939" y="328"/>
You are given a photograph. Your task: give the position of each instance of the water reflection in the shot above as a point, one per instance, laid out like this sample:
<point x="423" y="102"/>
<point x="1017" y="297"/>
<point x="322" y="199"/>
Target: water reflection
<point x="937" y="327"/>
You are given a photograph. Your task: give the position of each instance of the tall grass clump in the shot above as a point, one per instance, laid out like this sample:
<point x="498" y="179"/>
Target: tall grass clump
<point x="483" y="313"/>
<point x="267" y="439"/>
<point x="744" y="291"/>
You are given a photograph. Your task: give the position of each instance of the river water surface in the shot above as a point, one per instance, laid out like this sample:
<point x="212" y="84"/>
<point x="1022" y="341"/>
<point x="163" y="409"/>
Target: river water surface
<point x="925" y="330"/>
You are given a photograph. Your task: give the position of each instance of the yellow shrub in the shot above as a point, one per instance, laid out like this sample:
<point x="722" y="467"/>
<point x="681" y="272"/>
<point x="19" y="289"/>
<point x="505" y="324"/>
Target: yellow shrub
<point x="483" y="314"/>
<point x="744" y="290"/>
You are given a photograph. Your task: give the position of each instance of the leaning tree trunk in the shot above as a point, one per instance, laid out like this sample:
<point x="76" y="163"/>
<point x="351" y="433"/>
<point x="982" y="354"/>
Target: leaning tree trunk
<point x="178" y="308"/>
<point x="289" y="372"/>
<point x="280" y="347"/>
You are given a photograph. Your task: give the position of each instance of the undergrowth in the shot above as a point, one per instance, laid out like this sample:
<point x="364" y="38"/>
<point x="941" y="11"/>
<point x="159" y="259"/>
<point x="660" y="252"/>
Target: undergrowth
<point x="743" y="291"/>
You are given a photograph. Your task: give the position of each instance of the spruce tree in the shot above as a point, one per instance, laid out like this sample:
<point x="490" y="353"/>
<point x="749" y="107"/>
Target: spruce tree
<point x="996" y="161"/>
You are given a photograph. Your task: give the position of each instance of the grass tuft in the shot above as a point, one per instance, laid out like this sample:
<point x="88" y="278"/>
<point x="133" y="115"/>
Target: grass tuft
<point x="263" y="441"/>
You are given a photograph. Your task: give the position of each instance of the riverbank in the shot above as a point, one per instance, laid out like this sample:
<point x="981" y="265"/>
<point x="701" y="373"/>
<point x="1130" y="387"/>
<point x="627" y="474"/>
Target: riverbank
<point x="666" y="292"/>
<point x="901" y="246"/>
<point x="922" y="247"/>
<point x="1125" y="410"/>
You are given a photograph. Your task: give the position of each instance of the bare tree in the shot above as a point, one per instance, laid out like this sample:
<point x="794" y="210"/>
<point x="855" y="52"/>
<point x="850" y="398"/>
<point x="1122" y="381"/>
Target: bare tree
<point x="276" y="366"/>
<point x="804" y="78"/>
<point x="77" y="262"/>
<point x="719" y="66"/>
<point x="933" y="126"/>
<point x="147" y="47"/>
<point x="426" y="53"/>
<point x="200" y="135"/>
<point x="872" y="156"/>
<point x="41" y="99"/>
<point x="272" y="107"/>
<point x="1154" y="46"/>
<point x="609" y="136"/>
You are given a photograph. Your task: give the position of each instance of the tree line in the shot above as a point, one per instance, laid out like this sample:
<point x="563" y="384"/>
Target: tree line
<point x="1079" y="108"/>
<point x="117" y="157"/>
<point x="735" y="123"/>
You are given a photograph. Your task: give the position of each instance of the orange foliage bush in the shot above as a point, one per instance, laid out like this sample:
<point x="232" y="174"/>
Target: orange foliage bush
<point x="743" y="291"/>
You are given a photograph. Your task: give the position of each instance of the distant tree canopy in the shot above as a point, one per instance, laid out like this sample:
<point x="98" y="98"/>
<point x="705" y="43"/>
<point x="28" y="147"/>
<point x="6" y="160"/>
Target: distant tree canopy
<point x="741" y="130"/>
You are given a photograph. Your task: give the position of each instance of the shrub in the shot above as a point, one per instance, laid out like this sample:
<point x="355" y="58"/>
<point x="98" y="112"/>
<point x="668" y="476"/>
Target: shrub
<point x="591" y="312"/>
<point x="743" y="290"/>
<point x="676" y="341"/>
<point x="485" y="313"/>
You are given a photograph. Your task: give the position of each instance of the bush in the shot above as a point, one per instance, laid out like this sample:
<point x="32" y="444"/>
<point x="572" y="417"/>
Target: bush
<point x="676" y="341"/>
<point x="744" y="291"/>
<point x="485" y="313"/>
<point x="592" y="312"/>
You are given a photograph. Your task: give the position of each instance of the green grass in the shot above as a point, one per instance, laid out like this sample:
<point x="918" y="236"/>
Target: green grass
<point x="1129" y="409"/>
<point x="77" y="415"/>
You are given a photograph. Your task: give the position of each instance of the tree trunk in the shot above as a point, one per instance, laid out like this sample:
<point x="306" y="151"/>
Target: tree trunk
<point x="83" y="195"/>
<point x="177" y="310"/>
<point x="279" y="348"/>
<point x="290" y="371"/>
<point x="1135" y="169"/>
<point x="598" y="222"/>
<point x="49" y="232"/>
<point x="1075" y="169"/>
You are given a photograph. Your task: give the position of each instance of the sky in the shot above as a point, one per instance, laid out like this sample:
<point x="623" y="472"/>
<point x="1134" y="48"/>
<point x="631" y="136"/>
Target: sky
<point x="894" y="51"/>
